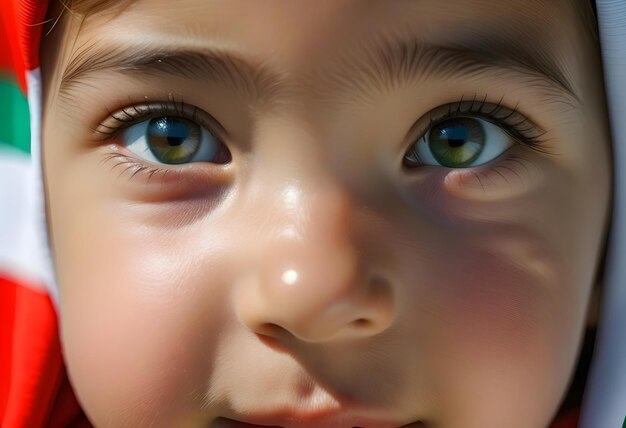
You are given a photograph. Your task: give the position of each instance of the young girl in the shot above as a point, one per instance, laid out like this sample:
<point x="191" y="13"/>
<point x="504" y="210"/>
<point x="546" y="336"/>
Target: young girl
<point x="339" y="214"/>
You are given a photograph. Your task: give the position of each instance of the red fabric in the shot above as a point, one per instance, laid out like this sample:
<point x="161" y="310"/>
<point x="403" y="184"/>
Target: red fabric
<point x="34" y="390"/>
<point x="21" y="23"/>
<point x="10" y="61"/>
<point x="6" y="59"/>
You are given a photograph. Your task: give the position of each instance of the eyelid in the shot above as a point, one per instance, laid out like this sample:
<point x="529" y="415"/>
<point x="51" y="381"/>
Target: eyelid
<point x="514" y="123"/>
<point x="518" y="126"/>
<point x="130" y="115"/>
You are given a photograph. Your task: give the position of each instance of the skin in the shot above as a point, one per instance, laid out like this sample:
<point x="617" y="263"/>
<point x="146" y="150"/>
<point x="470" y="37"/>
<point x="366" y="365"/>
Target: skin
<point x="313" y="280"/>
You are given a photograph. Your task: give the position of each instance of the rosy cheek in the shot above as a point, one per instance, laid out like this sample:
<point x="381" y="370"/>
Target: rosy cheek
<point x="134" y="312"/>
<point x="496" y="290"/>
<point x="504" y="275"/>
<point x="497" y="334"/>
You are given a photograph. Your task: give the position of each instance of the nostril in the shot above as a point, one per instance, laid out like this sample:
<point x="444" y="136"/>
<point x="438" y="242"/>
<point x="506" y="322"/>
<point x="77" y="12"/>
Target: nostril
<point x="362" y="327"/>
<point x="361" y="323"/>
<point x="271" y="330"/>
<point x="272" y="341"/>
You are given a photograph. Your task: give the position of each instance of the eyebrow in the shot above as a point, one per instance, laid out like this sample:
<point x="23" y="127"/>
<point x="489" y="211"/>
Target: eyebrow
<point x="393" y="61"/>
<point x="387" y="63"/>
<point x="208" y="64"/>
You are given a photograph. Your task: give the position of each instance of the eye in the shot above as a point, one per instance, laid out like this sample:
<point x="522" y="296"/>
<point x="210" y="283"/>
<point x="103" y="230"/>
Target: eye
<point x="173" y="140"/>
<point x="459" y="142"/>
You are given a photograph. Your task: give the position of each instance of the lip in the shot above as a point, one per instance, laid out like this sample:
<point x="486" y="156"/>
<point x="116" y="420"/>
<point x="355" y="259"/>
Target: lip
<point x="231" y="423"/>
<point x="336" y="422"/>
<point x="341" y="414"/>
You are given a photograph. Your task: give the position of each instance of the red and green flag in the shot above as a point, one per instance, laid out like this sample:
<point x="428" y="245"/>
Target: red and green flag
<point x="34" y="390"/>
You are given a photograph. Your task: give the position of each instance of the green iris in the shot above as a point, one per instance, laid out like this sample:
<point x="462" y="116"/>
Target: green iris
<point x="173" y="140"/>
<point x="456" y="143"/>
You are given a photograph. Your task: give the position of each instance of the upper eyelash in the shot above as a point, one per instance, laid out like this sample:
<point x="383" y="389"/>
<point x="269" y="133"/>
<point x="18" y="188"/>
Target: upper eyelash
<point x="135" y="113"/>
<point x="120" y="120"/>
<point x="514" y="123"/>
<point x="523" y="130"/>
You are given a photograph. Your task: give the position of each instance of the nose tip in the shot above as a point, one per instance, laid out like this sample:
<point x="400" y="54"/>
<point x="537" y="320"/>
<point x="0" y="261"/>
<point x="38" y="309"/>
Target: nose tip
<point x="324" y="299"/>
<point x="315" y="307"/>
<point x="313" y="284"/>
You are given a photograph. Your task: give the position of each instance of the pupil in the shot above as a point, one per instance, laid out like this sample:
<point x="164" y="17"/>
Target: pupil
<point x="175" y="141"/>
<point x="455" y="134"/>
<point x="175" y="131"/>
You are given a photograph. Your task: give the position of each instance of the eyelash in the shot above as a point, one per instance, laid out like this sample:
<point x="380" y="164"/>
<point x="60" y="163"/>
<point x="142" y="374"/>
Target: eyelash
<point x="144" y="111"/>
<point x="516" y="125"/>
<point x="113" y="125"/>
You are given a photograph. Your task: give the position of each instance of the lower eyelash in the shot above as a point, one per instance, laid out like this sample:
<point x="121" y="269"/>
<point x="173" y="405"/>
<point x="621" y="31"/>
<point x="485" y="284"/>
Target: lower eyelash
<point x="512" y="171"/>
<point x="480" y="176"/>
<point x="131" y="166"/>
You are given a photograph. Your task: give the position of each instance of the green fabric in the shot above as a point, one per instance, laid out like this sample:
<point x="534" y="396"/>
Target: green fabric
<point x="14" y="117"/>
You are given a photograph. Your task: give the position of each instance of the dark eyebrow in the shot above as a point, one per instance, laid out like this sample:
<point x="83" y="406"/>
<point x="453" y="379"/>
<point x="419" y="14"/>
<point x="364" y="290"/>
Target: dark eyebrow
<point x="390" y="62"/>
<point x="196" y="63"/>
<point x="384" y="63"/>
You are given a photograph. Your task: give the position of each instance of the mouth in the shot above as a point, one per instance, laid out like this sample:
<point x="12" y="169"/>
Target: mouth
<point x="343" y="423"/>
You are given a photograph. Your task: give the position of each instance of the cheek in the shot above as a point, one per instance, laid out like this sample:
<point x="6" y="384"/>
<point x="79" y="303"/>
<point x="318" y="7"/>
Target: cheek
<point x="140" y="320"/>
<point x="497" y="328"/>
<point x="497" y="296"/>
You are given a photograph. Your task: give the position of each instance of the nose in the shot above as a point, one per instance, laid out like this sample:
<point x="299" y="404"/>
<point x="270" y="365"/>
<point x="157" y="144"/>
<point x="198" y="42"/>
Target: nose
<point x="312" y="282"/>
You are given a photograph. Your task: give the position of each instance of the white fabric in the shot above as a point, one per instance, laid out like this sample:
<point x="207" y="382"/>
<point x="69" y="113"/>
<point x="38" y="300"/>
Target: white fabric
<point x="605" y="398"/>
<point x="24" y="251"/>
<point x="17" y="238"/>
<point x="40" y="228"/>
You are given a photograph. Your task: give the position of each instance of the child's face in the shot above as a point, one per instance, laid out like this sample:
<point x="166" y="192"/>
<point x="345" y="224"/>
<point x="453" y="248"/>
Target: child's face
<point x="309" y="264"/>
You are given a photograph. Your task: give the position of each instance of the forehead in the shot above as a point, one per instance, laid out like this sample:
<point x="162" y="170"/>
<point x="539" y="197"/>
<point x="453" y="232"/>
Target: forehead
<point x="304" y="28"/>
<point x="344" y="39"/>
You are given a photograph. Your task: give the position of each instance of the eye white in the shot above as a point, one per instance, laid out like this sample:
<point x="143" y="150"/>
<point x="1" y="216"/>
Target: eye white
<point x="135" y="138"/>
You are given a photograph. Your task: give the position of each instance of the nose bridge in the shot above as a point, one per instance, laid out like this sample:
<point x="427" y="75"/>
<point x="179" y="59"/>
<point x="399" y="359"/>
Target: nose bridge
<point x="313" y="256"/>
<point x="321" y="211"/>
<point x="312" y="207"/>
